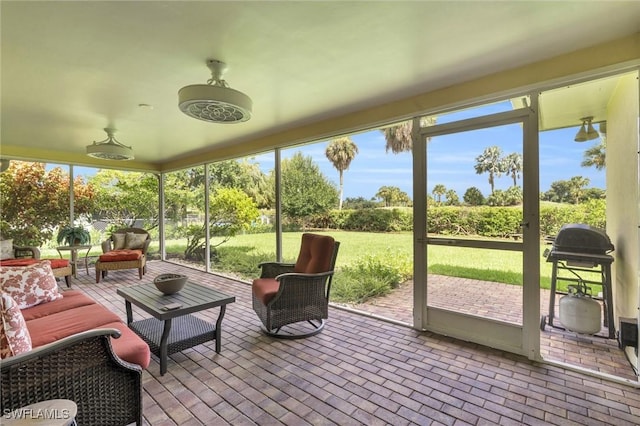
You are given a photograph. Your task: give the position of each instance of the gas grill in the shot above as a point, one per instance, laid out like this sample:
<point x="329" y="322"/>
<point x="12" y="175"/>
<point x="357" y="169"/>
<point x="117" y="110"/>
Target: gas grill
<point x="580" y="248"/>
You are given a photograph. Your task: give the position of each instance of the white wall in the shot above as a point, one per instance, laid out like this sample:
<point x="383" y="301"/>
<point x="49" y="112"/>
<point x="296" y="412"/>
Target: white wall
<point x="623" y="189"/>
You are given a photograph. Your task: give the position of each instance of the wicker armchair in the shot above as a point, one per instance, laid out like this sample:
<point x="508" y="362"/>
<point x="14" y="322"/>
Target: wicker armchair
<point x="82" y="368"/>
<point x="286" y="294"/>
<point x="61" y="268"/>
<point x="122" y="251"/>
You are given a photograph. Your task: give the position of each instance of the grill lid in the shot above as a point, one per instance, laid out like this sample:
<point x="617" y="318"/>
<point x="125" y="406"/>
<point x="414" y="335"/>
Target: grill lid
<point x="581" y="238"/>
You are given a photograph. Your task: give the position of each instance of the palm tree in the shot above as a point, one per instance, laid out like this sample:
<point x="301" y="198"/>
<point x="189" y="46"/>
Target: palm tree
<point x="452" y="198"/>
<point x="399" y="137"/>
<point x="341" y="152"/>
<point x="513" y="166"/>
<point x="576" y="185"/>
<point x="438" y="191"/>
<point x="393" y="196"/>
<point x="490" y="161"/>
<point x="386" y="194"/>
<point x="595" y="156"/>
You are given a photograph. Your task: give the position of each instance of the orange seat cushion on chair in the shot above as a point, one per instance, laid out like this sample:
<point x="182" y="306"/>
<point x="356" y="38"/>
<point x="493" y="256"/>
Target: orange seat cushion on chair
<point x="55" y="263"/>
<point x="265" y="289"/>
<point x="121" y="255"/>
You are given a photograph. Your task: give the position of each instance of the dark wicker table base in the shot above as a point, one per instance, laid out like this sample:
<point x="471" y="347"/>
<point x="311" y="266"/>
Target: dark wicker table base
<point x="186" y="332"/>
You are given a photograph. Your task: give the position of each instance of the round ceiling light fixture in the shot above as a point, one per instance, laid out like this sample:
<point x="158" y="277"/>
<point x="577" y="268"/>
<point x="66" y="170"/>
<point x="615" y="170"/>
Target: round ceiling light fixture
<point x="215" y="102"/>
<point x="110" y="148"/>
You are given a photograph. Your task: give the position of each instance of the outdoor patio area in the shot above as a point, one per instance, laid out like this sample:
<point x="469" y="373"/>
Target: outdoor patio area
<point x="361" y="370"/>
<point x="503" y="302"/>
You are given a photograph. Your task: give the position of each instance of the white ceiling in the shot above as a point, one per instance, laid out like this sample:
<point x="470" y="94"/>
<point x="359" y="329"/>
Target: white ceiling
<point x="69" y="69"/>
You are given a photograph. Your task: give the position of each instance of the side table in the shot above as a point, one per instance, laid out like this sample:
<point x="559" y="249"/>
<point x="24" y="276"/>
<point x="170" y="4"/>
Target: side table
<point x="74" y="257"/>
<point x="171" y="331"/>
<point x="54" y="412"/>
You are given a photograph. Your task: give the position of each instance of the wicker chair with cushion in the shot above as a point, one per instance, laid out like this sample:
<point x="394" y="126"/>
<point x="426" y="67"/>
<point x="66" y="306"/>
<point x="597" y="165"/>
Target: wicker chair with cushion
<point x="82" y="368"/>
<point x="125" y="249"/>
<point x="12" y="255"/>
<point x="292" y="294"/>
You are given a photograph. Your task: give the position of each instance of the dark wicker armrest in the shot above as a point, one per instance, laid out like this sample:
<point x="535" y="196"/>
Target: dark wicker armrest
<point x="146" y="246"/>
<point x="26" y="251"/>
<point x="294" y="276"/>
<point x="303" y="285"/>
<point x="299" y="290"/>
<point x="273" y="269"/>
<point x="80" y="368"/>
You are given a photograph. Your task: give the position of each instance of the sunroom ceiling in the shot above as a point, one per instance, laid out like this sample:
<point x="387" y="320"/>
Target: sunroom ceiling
<point x="71" y="68"/>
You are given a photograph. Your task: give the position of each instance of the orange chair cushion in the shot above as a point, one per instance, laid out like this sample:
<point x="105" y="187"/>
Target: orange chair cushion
<point x="55" y="263"/>
<point x="265" y="289"/>
<point x="121" y="255"/>
<point x="315" y="254"/>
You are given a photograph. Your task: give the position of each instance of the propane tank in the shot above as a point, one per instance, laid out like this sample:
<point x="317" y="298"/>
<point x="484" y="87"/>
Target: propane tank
<point x="579" y="312"/>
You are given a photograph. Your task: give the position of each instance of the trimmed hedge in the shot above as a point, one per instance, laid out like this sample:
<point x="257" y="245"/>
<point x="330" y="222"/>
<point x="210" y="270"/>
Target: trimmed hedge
<point x="454" y="220"/>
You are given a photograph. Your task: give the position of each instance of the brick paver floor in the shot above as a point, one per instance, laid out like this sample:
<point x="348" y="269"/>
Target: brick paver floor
<point x="358" y="371"/>
<point x="503" y="302"/>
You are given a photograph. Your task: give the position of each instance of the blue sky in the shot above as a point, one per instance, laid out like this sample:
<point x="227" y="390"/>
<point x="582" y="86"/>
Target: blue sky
<point x="451" y="160"/>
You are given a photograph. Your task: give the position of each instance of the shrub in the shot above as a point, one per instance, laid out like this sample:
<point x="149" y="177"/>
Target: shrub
<point x="591" y="213"/>
<point x="499" y="222"/>
<point x="379" y="220"/>
<point x="473" y="197"/>
<point x="370" y="276"/>
<point x="445" y="220"/>
<point x="339" y="217"/>
<point x="348" y="288"/>
<point x="359" y="203"/>
<point x="238" y="260"/>
<point x="510" y="197"/>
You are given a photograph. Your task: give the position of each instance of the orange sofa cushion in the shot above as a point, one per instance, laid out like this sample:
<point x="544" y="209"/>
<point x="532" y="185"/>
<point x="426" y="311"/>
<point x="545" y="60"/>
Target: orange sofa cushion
<point x="63" y="324"/>
<point x="129" y="346"/>
<point x="76" y="312"/>
<point x="55" y="263"/>
<point x="70" y="299"/>
<point x="265" y="289"/>
<point x="121" y="255"/>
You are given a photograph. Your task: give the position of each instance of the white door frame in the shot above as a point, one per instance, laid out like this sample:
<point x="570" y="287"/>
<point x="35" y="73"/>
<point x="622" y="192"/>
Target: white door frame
<point x="521" y="339"/>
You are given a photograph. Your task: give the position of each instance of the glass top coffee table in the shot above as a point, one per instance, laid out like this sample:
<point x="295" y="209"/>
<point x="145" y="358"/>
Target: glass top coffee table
<point x="173" y="330"/>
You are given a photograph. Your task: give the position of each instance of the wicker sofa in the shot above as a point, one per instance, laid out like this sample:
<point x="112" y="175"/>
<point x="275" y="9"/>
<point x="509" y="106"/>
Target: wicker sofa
<point x="82" y="352"/>
<point x="82" y="368"/>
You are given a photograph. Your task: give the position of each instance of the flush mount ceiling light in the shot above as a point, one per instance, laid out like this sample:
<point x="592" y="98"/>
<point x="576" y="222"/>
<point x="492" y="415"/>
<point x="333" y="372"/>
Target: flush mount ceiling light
<point x="586" y="132"/>
<point x="215" y="102"/>
<point x="110" y="148"/>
